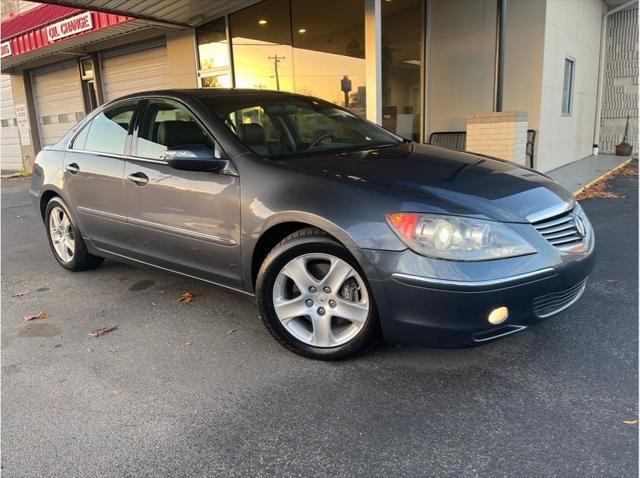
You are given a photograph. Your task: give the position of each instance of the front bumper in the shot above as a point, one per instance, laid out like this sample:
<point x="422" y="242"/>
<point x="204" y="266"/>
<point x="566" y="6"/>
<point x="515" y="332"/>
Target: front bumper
<point x="448" y="313"/>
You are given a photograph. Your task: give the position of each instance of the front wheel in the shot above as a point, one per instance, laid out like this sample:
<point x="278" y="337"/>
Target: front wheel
<point x="314" y="299"/>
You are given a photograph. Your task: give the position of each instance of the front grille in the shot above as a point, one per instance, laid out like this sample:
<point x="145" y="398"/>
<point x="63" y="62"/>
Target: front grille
<point x="550" y="304"/>
<point x="561" y="230"/>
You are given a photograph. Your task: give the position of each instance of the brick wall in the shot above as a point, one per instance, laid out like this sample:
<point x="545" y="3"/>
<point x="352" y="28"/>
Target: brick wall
<point x="503" y="135"/>
<point x="620" y="89"/>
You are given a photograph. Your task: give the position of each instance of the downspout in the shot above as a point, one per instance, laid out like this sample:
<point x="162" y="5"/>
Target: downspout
<point x="603" y="54"/>
<point x="498" y="88"/>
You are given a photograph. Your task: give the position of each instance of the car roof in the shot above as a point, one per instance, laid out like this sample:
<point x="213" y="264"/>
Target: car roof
<point x="208" y="93"/>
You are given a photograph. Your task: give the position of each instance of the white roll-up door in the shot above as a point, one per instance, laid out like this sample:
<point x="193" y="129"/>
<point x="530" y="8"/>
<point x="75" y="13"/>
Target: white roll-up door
<point x="139" y="68"/>
<point x="10" y="153"/>
<point x="58" y="98"/>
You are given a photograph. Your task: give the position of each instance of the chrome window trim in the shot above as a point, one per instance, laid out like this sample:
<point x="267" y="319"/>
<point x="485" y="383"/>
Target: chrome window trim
<point x="420" y="281"/>
<point x="99" y="153"/>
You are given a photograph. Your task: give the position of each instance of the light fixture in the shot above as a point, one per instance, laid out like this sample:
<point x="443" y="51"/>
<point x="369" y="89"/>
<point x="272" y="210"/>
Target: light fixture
<point x="262" y="21"/>
<point x="302" y="30"/>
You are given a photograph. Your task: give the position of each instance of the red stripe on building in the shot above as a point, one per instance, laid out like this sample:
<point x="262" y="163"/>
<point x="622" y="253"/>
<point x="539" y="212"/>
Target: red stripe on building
<point x="27" y="32"/>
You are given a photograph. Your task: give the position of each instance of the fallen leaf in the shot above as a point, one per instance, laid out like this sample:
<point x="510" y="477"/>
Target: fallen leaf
<point x="104" y="330"/>
<point x="629" y="170"/>
<point x="20" y="294"/>
<point x="186" y="298"/>
<point x="231" y="331"/>
<point x="597" y="190"/>
<point x="39" y="316"/>
<point x="117" y="391"/>
<point x="188" y="344"/>
<point x="631" y="422"/>
<point x="612" y="281"/>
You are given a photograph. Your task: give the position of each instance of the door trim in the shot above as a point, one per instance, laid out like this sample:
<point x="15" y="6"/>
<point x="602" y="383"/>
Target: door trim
<point x="87" y="211"/>
<point x="177" y="231"/>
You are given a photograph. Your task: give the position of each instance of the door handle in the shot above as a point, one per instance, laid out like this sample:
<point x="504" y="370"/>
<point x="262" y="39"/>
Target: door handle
<point x="73" y="168"/>
<point x="139" y="178"/>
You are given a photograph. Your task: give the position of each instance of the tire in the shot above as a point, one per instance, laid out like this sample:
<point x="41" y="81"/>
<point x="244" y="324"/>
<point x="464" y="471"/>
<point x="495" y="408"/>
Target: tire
<point x="324" y="324"/>
<point x="74" y="259"/>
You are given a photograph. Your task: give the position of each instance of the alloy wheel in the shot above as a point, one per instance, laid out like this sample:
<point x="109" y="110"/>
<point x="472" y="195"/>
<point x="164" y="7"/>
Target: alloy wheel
<point x="61" y="234"/>
<point x="321" y="300"/>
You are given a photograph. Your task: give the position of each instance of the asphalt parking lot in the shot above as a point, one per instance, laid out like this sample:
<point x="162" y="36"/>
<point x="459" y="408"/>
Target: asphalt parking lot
<point x="202" y="389"/>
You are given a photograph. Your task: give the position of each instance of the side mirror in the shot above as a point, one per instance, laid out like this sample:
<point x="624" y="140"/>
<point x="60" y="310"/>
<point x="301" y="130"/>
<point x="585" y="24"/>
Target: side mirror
<point x="194" y="157"/>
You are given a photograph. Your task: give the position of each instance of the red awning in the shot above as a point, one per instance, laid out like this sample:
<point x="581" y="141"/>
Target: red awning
<point x="28" y="32"/>
<point x="32" y="19"/>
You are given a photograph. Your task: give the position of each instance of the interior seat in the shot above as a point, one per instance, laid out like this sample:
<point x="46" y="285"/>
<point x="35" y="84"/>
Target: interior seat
<point x="252" y="134"/>
<point x="180" y="133"/>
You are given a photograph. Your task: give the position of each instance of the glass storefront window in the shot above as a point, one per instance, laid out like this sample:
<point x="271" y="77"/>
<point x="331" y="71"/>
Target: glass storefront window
<point x="213" y="55"/>
<point x="402" y="63"/>
<point x="328" y="49"/>
<point x="262" y="53"/>
<point x="312" y="48"/>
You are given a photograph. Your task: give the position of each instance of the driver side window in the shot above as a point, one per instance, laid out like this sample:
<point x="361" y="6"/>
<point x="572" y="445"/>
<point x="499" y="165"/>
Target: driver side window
<point x="258" y="130"/>
<point x="166" y="125"/>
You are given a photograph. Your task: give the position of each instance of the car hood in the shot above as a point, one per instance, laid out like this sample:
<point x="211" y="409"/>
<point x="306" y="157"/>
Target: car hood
<point x="445" y="180"/>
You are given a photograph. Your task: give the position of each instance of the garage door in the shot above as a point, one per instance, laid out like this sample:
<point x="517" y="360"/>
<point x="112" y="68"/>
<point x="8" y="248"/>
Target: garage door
<point x="136" y="69"/>
<point x="10" y="154"/>
<point x="58" y="98"/>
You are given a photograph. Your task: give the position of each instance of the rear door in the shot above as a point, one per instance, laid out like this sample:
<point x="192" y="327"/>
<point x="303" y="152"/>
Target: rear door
<point x="93" y="177"/>
<point x="187" y="221"/>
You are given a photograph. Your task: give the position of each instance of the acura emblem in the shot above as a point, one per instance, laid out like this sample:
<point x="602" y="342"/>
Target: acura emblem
<point x="582" y="229"/>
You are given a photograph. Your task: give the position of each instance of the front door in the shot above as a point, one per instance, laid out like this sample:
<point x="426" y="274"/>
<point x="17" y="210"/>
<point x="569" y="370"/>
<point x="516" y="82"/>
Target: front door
<point x="93" y="176"/>
<point x="186" y="221"/>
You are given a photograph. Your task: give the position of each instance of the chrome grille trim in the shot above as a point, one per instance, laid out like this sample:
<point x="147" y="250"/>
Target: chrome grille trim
<point x="550" y="304"/>
<point x="560" y="230"/>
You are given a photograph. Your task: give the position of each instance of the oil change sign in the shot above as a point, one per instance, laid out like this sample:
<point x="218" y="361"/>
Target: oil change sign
<point x="69" y="26"/>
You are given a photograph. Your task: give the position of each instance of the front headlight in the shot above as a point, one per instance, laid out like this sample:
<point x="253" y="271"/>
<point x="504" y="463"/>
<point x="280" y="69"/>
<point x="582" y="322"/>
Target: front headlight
<point x="457" y="238"/>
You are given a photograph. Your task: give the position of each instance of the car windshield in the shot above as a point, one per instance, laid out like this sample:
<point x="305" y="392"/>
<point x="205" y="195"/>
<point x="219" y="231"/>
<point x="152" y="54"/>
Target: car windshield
<point x="279" y="126"/>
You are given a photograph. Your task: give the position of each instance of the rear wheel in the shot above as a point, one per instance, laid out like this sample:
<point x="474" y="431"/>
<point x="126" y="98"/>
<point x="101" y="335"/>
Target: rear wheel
<point x="314" y="298"/>
<point x="65" y="240"/>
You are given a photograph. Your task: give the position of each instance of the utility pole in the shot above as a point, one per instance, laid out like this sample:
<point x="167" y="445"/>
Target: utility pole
<point x="276" y="59"/>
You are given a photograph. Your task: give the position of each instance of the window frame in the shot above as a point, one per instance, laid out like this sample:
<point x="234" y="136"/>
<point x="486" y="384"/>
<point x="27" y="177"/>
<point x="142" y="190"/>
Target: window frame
<point x="218" y="150"/>
<point x="570" y="92"/>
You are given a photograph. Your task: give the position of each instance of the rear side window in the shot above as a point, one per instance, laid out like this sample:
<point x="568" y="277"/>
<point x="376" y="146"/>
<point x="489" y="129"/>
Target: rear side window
<point x="107" y="132"/>
<point x="167" y="125"/>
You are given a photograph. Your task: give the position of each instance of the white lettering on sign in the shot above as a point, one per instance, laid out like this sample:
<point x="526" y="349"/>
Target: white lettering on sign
<point x="70" y="26"/>
<point x="5" y="49"/>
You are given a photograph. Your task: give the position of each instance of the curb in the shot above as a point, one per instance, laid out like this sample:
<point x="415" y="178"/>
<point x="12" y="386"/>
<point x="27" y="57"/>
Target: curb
<point x="602" y="176"/>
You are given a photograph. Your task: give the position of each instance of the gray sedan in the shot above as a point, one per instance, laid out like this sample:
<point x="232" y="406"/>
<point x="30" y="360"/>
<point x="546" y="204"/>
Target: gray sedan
<point x="344" y="232"/>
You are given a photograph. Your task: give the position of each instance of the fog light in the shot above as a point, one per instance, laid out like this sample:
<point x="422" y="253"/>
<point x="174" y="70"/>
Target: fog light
<point x="499" y="315"/>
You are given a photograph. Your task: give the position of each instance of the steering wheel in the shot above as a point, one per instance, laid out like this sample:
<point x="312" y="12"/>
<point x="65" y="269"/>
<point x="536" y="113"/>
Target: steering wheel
<point x="319" y="139"/>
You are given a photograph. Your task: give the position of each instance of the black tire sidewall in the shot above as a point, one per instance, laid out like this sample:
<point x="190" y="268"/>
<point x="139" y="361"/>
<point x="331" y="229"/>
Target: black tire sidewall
<point x="269" y="270"/>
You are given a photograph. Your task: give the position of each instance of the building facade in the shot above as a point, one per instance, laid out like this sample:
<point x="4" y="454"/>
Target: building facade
<point x="417" y="67"/>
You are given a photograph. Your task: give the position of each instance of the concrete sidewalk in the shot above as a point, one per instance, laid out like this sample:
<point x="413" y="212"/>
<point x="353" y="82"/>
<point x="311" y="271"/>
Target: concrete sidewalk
<point x="578" y="174"/>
